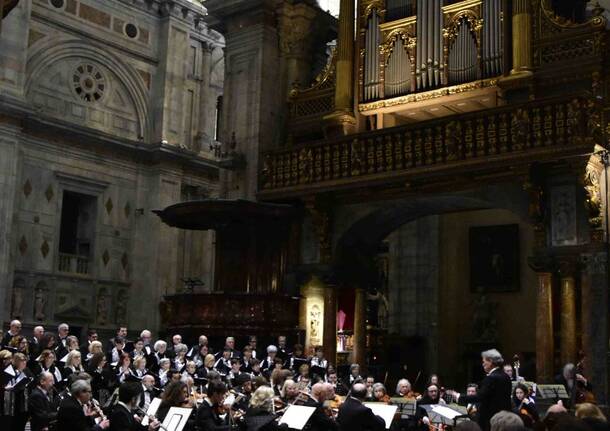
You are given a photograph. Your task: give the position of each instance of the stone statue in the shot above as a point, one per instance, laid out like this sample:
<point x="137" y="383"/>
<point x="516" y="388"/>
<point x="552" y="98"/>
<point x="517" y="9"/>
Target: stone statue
<point x="121" y="308"/>
<point x="102" y="308"/>
<point x="17" y="310"/>
<point x="39" y="303"/>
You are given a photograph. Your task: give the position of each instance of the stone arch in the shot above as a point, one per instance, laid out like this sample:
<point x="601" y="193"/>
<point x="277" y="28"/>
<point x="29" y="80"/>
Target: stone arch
<point x="358" y="243"/>
<point x="49" y="55"/>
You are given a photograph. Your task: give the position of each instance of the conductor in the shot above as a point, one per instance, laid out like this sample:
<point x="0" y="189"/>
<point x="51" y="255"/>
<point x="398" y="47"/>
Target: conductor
<point x="355" y="416"/>
<point x="494" y="392"/>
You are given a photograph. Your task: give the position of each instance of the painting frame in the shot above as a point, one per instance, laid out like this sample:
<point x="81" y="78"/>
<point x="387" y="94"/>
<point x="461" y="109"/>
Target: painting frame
<point x="494" y="253"/>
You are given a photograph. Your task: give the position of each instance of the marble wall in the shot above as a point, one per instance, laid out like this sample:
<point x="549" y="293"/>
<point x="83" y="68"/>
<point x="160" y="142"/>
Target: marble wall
<point x="115" y="100"/>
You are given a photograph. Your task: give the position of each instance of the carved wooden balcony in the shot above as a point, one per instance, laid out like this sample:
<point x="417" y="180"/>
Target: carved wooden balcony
<point x="234" y="314"/>
<point x="503" y="136"/>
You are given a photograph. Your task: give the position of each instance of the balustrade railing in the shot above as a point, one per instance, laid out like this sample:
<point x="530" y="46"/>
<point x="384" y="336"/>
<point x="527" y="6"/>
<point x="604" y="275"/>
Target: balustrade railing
<point x="73" y="264"/>
<point x="503" y="131"/>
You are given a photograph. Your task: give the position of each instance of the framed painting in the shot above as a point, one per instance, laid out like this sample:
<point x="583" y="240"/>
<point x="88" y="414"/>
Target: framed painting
<point x="494" y="258"/>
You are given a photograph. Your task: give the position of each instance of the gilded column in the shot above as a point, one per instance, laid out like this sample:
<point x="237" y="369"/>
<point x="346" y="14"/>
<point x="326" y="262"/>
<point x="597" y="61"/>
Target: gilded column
<point x="342" y="121"/>
<point x="330" y="324"/>
<point x="544" y="328"/>
<point x="568" y="313"/>
<point x="360" y="328"/>
<point x="522" y="37"/>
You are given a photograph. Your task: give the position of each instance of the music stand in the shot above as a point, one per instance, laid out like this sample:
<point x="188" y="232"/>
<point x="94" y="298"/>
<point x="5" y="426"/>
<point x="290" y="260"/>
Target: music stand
<point x="556" y="392"/>
<point x="440" y="414"/>
<point x="406" y="407"/>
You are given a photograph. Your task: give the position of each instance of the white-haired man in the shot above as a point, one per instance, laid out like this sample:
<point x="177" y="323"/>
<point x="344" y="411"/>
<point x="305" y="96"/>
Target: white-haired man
<point x="494" y="392"/>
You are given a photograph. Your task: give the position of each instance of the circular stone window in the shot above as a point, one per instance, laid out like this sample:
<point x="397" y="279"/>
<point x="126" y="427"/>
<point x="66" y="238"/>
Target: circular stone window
<point x="131" y="31"/>
<point x="59" y="4"/>
<point x="88" y="83"/>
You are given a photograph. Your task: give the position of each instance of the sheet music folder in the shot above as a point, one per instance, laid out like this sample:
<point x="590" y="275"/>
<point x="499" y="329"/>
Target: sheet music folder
<point x="383" y="410"/>
<point x="296" y="417"/>
<point x="440" y="414"/>
<point x="552" y="392"/>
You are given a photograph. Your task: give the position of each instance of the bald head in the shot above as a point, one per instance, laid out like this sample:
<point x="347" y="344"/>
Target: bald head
<point x="318" y="391"/>
<point x="359" y="391"/>
<point x="557" y="408"/>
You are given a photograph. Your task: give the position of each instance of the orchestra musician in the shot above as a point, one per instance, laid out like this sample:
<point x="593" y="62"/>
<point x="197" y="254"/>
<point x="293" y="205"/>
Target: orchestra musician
<point x="339" y="387"/>
<point x="260" y="416"/>
<point x="75" y="412"/>
<point x="494" y="392"/>
<point x="380" y="393"/>
<point x="355" y="416"/>
<point x="403" y="389"/>
<point x="176" y="394"/>
<point x="290" y="392"/>
<point x="524" y="406"/>
<point x="122" y="416"/>
<point x="319" y="420"/>
<point x="212" y="415"/>
<point x="42" y="403"/>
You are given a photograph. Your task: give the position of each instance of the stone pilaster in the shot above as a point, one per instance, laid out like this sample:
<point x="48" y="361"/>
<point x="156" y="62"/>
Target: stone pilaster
<point x="205" y="103"/>
<point x="594" y="287"/>
<point x="522" y="37"/>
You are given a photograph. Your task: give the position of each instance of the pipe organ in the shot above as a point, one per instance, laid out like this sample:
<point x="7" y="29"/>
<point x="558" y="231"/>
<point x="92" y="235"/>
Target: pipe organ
<point x="409" y="46"/>
<point x="371" y="57"/>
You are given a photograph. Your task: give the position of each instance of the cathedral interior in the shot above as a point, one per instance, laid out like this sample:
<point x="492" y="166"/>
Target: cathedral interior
<point x="403" y="182"/>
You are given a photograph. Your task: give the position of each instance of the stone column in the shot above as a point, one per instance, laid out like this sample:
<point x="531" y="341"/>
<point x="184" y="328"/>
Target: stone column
<point x="360" y="328"/>
<point x="544" y="328"/>
<point x="330" y="324"/>
<point x="342" y="121"/>
<point x="522" y="37"/>
<point x="594" y="287"/>
<point x="205" y="104"/>
<point x="568" y="313"/>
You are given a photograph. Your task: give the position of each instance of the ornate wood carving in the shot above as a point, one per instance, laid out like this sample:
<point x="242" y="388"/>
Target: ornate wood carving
<point x="534" y="128"/>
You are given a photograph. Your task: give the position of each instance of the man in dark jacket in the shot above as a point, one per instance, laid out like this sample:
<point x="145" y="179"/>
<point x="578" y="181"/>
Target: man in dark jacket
<point x="207" y="417"/>
<point x="122" y="418"/>
<point x="494" y="391"/>
<point x="319" y="421"/>
<point x="41" y="404"/>
<point x="72" y="416"/>
<point x="355" y="416"/>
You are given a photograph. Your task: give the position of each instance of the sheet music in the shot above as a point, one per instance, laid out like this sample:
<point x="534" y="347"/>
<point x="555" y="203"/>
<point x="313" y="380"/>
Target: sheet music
<point x="445" y="412"/>
<point x="386" y="412"/>
<point x="152" y="410"/>
<point x="176" y="418"/>
<point x="296" y="417"/>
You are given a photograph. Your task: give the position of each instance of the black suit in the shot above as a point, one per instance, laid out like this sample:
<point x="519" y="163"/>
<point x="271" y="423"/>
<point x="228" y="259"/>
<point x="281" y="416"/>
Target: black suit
<point x="493" y="396"/>
<point x="122" y="419"/>
<point x="355" y="416"/>
<point x="71" y="417"/>
<point x="42" y="409"/>
<point x="208" y="420"/>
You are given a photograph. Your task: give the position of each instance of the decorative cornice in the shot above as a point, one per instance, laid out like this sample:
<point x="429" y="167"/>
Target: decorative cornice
<point x="428" y="95"/>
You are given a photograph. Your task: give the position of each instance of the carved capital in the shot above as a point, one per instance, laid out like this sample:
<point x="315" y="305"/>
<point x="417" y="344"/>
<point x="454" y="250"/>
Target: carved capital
<point x="567" y="266"/>
<point x="594" y="263"/>
<point x="542" y="264"/>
